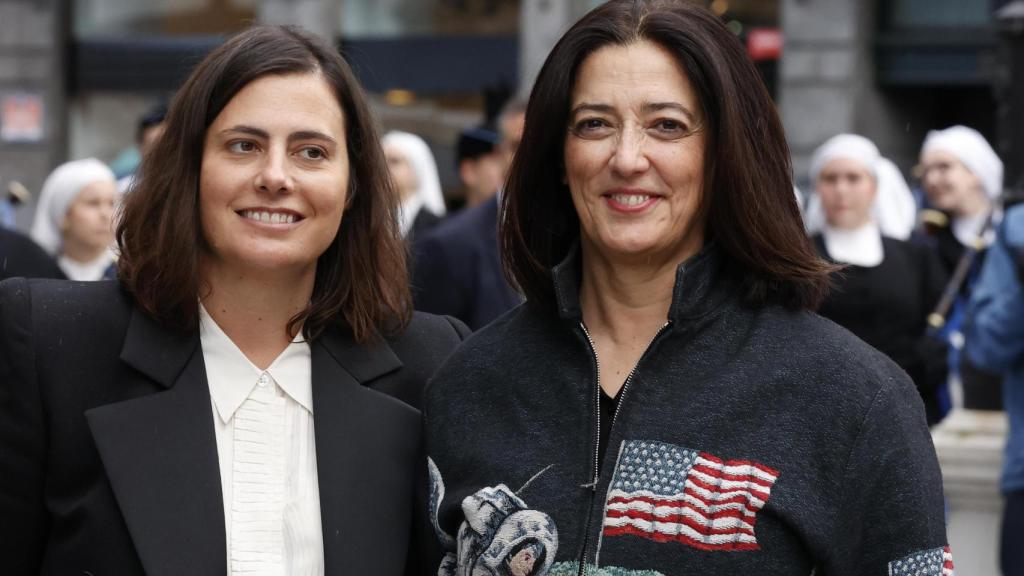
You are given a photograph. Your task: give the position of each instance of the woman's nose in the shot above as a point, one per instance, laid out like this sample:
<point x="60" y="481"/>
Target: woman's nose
<point x="629" y="156"/>
<point x="274" y="174"/>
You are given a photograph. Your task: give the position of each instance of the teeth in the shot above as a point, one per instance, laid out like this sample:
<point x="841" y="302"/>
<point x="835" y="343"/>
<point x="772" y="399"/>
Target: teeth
<point x="268" y="217"/>
<point x="630" y="199"/>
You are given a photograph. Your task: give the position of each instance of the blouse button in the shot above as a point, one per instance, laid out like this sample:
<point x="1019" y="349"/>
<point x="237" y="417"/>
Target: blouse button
<point x="263" y="380"/>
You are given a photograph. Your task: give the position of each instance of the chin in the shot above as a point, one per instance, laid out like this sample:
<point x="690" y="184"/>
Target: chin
<point x="273" y="262"/>
<point x="943" y="202"/>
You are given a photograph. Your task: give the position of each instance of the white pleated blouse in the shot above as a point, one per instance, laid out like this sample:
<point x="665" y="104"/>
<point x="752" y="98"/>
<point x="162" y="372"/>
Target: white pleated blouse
<point x="267" y="452"/>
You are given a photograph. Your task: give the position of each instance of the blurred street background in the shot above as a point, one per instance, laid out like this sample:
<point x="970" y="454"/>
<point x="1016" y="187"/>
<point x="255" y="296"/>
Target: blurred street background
<point x="76" y="75"/>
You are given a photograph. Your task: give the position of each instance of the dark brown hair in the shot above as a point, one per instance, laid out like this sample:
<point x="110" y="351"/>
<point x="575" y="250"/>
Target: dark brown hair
<point x="361" y="278"/>
<point x="748" y="205"/>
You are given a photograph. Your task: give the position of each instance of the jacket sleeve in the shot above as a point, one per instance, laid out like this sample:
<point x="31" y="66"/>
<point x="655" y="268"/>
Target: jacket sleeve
<point x="995" y="317"/>
<point x="22" y="436"/>
<point x="891" y="504"/>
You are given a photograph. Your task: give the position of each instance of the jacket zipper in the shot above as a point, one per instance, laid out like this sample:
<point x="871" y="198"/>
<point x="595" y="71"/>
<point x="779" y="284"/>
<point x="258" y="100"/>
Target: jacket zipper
<point x="597" y="437"/>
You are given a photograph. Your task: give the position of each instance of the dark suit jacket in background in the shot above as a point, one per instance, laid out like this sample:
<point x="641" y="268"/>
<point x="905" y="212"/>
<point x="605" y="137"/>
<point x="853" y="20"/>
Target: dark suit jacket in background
<point x="424" y="221"/>
<point x="458" y="268"/>
<point x="108" y="455"/>
<point x="21" y="257"/>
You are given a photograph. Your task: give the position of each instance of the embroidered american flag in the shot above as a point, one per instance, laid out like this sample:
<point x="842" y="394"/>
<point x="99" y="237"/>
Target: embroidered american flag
<point x="672" y="494"/>
<point x="934" y="562"/>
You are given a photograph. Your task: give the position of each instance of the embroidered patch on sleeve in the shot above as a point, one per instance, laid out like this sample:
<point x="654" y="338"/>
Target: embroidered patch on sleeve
<point x="934" y="562"/>
<point x="672" y="494"/>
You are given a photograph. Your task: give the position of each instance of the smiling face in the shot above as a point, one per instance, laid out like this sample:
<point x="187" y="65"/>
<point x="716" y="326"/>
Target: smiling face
<point x="634" y="154"/>
<point x="274" y="177"/>
<point x="949" y="184"/>
<point x="847" y="191"/>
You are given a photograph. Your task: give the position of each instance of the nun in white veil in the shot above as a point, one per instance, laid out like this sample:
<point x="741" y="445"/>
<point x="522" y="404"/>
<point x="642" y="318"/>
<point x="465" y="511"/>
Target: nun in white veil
<point x="893" y="210"/>
<point x="860" y="215"/>
<point x="962" y="178"/>
<point x="74" y="218"/>
<point x="414" y="173"/>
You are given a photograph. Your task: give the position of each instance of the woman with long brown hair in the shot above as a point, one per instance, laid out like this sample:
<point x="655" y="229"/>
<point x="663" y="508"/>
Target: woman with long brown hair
<point x="244" y="399"/>
<point x="665" y="402"/>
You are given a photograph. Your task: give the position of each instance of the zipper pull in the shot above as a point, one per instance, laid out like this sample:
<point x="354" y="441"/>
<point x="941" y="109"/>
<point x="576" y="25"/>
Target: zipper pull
<point x="592" y="486"/>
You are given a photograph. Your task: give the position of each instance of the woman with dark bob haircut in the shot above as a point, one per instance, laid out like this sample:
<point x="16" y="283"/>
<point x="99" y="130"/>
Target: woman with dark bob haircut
<point x="665" y="401"/>
<point x="244" y="399"/>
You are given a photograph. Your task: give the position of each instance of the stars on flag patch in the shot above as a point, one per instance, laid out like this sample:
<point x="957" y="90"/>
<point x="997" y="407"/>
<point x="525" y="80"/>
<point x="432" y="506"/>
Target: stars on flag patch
<point x="934" y="562"/>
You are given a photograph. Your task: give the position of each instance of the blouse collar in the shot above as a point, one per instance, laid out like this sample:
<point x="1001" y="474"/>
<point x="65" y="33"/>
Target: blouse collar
<point x="232" y="376"/>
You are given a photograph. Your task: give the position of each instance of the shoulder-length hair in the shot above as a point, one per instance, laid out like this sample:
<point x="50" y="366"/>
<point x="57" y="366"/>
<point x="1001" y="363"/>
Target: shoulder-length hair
<point x="361" y="279"/>
<point x="748" y="206"/>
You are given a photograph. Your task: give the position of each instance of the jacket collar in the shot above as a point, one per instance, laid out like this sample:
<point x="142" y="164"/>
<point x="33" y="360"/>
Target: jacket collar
<point x="692" y="294"/>
<point x="155" y="350"/>
<point x="161" y="354"/>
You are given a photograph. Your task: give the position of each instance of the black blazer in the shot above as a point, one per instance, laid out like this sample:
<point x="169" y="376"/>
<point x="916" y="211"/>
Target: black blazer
<point x="108" y="457"/>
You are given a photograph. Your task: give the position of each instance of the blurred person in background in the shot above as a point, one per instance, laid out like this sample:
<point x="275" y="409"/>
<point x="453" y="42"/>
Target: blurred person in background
<point x="14" y="196"/>
<point x="458" y="269"/>
<point x="962" y="179"/>
<point x="74" y="219"/>
<point x="150" y="126"/>
<point x="995" y="342"/>
<point x="484" y="154"/>
<point x="414" y="174"/>
<point x="480" y="165"/>
<point x="888" y="286"/>
<point x="665" y="401"/>
<point x="244" y="400"/>
<point x="21" y="257"/>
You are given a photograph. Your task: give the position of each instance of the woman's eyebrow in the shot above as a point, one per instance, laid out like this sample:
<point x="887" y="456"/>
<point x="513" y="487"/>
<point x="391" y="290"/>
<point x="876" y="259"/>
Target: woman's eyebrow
<point x="310" y="135"/>
<point x="588" y="107"/>
<point x="297" y="135"/>
<point x="650" y="107"/>
<point x="252" y="131"/>
<point x="647" y="108"/>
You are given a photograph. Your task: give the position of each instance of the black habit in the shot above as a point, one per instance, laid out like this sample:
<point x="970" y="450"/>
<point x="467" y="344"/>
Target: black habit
<point x="887" y="306"/>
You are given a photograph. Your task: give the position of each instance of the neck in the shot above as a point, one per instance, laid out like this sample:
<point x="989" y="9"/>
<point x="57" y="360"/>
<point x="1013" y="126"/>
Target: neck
<point x="863" y="224"/>
<point x="974" y="205"/>
<point x="626" y="301"/>
<point x="80" y="252"/>
<point x="405" y="193"/>
<point x="254" y="309"/>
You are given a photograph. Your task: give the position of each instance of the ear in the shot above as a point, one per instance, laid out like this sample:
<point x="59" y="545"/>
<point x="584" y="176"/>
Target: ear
<point x="467" y="173"/>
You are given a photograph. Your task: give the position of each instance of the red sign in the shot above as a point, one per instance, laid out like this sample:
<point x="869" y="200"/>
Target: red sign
<point x="764" y="44"/>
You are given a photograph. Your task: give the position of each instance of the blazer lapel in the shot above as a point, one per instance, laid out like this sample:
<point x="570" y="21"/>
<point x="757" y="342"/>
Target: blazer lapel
<point x="160" y="453"/>
<point x="345" y="415"/>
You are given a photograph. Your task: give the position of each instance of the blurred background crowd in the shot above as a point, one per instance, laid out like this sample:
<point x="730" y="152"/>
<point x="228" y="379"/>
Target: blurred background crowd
<point x="904" y="119"/>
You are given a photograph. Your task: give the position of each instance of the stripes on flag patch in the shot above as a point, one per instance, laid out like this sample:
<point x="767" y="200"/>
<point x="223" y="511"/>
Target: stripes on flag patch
<point x="672" y="494"/>
<point x="934" y="562"/>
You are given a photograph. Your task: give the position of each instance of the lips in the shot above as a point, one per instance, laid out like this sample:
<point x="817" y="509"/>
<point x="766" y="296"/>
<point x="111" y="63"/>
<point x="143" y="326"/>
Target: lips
<point x="269" y="216"/>
<point x="624" y="200"/>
